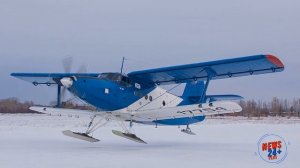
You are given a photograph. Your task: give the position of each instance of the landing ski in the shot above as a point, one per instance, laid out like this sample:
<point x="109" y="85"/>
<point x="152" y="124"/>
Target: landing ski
<point x="129" y="136"/>
<point x="188" y="131"/>
<point x="81" y="136"/>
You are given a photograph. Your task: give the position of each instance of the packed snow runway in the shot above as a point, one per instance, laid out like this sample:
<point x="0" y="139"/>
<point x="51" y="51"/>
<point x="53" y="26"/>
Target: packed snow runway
<point x="36" y="141"/>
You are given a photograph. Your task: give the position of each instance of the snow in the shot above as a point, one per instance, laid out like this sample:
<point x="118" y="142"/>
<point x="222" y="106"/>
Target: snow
<point x="30" y="141"/>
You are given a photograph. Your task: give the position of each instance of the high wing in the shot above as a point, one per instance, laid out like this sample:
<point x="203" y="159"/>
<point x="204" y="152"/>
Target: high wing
<point x="236" y="67"/>
<point x="251" y="65"/>
<point x="49" y="78"/>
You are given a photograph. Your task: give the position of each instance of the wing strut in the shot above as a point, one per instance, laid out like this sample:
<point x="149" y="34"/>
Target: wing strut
<point x="210" y="74"/>
<point x="58" y="103"/>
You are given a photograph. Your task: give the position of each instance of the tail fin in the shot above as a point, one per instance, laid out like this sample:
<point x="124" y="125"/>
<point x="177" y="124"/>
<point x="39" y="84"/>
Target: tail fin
<point x="193" y="92"/>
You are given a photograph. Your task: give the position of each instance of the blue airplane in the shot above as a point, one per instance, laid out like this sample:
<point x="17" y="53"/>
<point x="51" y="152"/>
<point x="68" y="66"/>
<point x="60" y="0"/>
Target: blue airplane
<point x="137" y="97"/>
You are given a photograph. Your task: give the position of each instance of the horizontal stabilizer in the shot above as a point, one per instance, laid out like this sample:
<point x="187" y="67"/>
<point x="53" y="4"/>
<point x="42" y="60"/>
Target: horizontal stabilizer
<point x="212" y="98"/>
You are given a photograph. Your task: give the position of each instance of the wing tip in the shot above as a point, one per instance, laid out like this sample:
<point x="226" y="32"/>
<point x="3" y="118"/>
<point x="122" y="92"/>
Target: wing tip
<point x="17" y="74"/>
<point x="275" y="60"/>
<point x="13" y="74"/>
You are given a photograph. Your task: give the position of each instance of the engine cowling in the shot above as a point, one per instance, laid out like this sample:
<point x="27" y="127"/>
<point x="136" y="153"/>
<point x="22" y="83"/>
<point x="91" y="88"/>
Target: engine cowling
<point x="67" y="81"/>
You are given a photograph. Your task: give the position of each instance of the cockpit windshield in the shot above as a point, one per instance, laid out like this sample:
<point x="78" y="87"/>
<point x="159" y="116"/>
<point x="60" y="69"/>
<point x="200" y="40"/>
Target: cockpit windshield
<point x="110" y="76"/>
<point x="116" y="77"/>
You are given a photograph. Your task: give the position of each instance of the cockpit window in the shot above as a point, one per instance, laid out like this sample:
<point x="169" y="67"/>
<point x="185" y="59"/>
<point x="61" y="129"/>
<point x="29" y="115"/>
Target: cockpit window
<point x="110" y="76"/>
<point x="116" y="77"/>
<point x="125" y="79"/>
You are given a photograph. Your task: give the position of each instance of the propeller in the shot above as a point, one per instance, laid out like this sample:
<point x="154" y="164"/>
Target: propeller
<point x="67" y="64"/>
<point x="67" y="82"/>
<point x="82" y="69"/>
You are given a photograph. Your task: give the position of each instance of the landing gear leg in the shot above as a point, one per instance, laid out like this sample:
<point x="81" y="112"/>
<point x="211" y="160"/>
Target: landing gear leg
<point x="91" y="128"/>
<point x="90" y="124"/>
<point x="188" y="130"/>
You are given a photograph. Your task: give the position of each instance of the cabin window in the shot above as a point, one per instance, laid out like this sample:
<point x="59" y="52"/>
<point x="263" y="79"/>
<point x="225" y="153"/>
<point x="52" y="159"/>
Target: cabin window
<point x="150" y="98"/>
<point x="125" y="81"/>
<point x="106" y="91"/>
<point x="163" y="103"/>
<point x="116" y="77"/>
<point x="146" y="97"/>
<point x="138" y="86"/>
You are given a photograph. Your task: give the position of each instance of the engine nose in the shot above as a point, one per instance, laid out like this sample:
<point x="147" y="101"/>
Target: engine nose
<point x="66" y="82"/>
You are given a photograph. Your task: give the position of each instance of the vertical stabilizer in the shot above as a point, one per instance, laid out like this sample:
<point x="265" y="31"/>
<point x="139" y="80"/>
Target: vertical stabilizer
<point x="192" y="92"/>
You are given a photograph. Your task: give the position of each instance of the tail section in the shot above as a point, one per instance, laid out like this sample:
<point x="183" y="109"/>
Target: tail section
<point x="192" y="93"/>
<point x="212" y="98"/>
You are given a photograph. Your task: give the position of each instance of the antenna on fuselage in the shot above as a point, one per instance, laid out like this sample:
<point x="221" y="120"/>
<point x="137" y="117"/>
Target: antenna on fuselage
<point x="123" y="60"/>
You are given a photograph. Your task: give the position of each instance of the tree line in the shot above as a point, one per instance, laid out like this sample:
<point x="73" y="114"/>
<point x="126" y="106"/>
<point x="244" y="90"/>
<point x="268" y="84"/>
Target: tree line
<point x="13" y="105"/>
<point x="275" y="107"/>
<point x="251" y="108"/>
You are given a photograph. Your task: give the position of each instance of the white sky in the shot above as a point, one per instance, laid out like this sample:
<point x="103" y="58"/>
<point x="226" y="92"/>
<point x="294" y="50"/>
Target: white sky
<point x="35" y="36"/>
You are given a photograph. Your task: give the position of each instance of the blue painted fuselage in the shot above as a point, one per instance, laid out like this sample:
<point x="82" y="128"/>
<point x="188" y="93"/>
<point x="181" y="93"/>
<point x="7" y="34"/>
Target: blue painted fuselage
<point x="105" y="94"/>
<point x="110" y="95"/>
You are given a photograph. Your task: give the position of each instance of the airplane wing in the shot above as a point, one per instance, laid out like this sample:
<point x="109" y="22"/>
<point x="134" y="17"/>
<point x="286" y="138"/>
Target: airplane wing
<point x="49" y="78"/>
<point x="67" y="112"/>
<point x="205" y="109"/>
<point x="237" y="67"/>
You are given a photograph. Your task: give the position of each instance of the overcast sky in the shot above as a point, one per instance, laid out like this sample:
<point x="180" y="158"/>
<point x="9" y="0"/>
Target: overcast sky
<point x="35" y="36"/>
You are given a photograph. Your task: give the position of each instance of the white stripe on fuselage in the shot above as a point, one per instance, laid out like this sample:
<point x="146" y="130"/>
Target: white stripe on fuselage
<point x="159" y="96"/>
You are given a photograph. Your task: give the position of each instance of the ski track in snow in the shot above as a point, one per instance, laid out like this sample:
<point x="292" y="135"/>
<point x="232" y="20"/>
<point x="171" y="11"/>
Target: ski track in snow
<point x="36" y="141"/>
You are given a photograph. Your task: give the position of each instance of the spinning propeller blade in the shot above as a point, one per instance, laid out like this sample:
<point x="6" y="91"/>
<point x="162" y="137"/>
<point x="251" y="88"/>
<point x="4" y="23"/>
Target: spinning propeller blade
<point x="67" y="65"/>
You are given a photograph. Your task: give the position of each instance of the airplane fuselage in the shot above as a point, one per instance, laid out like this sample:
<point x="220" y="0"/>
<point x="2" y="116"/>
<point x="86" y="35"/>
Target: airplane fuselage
<point x="112" y="95"/>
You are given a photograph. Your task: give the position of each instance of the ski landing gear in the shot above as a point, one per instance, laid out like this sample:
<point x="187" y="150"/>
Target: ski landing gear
<point x="129" y="136"/>
<point x="85" y="136"/>
<point x="93" y="127"/>
<point x="188" y="131"/>
<point x="127" y="133"/>
<point x="82" y="136"/>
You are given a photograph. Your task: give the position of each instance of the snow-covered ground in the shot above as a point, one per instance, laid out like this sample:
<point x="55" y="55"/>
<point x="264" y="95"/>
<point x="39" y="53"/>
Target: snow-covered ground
<point x="36" y="141"/>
